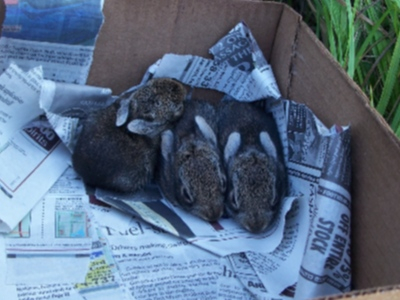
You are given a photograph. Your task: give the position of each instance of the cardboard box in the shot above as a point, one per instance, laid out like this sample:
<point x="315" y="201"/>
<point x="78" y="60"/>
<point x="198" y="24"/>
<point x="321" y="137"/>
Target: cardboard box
<point x="138" y="32"/>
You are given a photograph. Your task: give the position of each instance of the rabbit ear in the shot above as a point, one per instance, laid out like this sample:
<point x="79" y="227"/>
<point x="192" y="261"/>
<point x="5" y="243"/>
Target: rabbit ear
<point x="206" y="130"/>
<point x="122" y="113"/>
<point x="143" y="127"/>
<point x="232" y="146"/>
<point x="167" y="141"/>
<point x="267" y="144"/>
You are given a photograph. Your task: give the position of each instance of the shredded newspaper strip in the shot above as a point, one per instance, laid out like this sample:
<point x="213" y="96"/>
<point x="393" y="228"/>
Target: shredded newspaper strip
<point x="141" y="247"/>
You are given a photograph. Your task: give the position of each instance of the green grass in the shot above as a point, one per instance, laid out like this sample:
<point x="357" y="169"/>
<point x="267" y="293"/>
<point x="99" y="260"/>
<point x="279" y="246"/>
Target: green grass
<point x="363" y="36"/>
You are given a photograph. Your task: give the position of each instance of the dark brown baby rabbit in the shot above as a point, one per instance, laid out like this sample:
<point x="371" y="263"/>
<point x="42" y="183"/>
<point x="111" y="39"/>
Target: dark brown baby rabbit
<point x="191" y="171"/>
<point x="118" y="146"/>
<point x="254" y="164"/>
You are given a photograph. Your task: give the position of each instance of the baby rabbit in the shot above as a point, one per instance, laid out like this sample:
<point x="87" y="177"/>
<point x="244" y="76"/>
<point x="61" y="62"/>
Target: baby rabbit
<point x="254" y="163"/>
<point x="118" y="146"/>
<point x="191" y="172"/>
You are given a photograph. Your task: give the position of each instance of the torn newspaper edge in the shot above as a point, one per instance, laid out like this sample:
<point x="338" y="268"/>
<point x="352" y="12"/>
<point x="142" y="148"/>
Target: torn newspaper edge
<point x="58" y="35"/>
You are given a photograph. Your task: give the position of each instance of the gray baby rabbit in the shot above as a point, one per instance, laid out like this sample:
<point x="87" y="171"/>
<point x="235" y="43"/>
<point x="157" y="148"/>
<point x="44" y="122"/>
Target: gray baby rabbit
<point x="191" y="174"/>
<point x="254" y="163"/>
<point x="118" y="146"/>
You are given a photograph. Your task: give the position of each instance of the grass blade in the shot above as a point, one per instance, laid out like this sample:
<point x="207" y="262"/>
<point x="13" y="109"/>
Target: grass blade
<point x="351" y="36"/>
<point x="391" y="78"/>
<point x="370" y="37"/>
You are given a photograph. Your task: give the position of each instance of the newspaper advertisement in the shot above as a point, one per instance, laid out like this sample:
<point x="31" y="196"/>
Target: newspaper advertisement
<point x="161" y="251"/>
<point x="58" y="35"/>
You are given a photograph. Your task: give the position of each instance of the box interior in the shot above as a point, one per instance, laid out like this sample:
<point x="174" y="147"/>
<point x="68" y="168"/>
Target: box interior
<point x="137" y="33"/>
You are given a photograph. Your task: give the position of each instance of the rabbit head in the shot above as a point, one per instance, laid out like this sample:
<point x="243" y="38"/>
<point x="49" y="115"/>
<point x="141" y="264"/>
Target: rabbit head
<point x="153" y="107"/>
<point x="253" y="188"/>
<point x="199" y="177"/>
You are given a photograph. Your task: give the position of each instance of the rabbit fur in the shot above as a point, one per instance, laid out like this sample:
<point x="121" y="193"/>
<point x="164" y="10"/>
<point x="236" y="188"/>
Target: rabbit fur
<point x="191" y="171"/>
<point x="253" y="160"/>
<point x="118" y="145"/>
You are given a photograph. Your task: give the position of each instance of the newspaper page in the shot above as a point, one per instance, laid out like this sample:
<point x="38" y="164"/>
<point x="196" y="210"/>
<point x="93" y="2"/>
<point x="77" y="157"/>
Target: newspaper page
<point x="52" y="244"/>
<point x="58" y="35"/>
<point x="278" y="270"/>
<point x="55" y="261"/>
<point x="31" y="155"/>
<point x="154" y="264"/>
<point x="101" y="281"/>
<point x="230" y="285"/>
<point x="5" y="290"/>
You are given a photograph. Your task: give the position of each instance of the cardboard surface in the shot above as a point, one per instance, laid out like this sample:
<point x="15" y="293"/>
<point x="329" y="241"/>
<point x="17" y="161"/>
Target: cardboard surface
<point x="137" y="33"/>
<point x="382" y="293"/>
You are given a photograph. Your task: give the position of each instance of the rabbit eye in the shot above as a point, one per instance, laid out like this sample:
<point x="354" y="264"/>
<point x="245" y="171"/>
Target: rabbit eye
<point x="174" y="88"/>
<point x="149" y="118"/>
<point x="223" y="183"/>
<point x="186" y="196"/>
<point x="273" y="200"/>
<point x="157" y="102"/>
<point x="233" y="201"/>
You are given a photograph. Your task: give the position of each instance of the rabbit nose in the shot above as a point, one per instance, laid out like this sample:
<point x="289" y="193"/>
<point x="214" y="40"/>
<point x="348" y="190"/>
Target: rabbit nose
<point x="213" y="214"/>
<point x="255" y="227"/>
<point x="258" y="222"/>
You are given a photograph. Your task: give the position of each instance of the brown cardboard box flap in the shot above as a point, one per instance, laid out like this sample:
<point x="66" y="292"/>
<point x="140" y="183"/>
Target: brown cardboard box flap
<point x="381" y="293"/>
